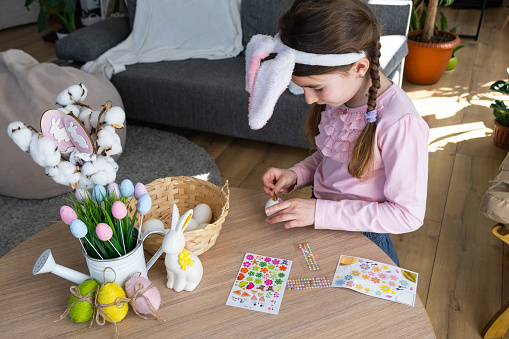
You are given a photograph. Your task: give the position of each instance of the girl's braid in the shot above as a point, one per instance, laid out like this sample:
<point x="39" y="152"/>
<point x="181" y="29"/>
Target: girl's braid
<point x="375" y="77"/>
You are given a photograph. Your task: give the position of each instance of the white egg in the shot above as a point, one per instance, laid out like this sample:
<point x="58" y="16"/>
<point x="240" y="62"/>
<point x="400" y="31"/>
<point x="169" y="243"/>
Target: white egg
<point x="152" y="223"/>
<point x="272" y="203"/>
<point x="191" y="225"/>
<point x="201" y="226"/>
<point x="202" y="214"/>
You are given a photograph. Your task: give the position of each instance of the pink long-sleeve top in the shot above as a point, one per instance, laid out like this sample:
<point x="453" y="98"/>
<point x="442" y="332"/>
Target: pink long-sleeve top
<point x="393" y="199"/>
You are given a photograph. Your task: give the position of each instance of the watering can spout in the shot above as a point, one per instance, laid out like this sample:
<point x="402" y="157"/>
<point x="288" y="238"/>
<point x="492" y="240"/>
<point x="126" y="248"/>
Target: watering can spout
<point x="46" y="264"/>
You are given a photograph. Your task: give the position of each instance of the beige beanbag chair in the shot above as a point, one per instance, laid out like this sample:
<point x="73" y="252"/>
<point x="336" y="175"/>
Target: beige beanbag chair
<point x="27" y="89"/>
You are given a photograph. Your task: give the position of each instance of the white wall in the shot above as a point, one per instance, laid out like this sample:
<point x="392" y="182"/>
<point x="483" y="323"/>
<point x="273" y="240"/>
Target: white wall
<point x="13" y="13"/>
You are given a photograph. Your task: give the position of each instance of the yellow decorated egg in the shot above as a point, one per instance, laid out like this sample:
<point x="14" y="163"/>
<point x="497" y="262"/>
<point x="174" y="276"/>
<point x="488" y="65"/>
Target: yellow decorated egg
<point x="108" y="293"/>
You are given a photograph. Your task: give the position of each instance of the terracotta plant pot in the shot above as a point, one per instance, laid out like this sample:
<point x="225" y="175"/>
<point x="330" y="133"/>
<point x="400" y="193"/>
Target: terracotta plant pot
<point x="426" y="62"/>
<point x="501" y="135"/>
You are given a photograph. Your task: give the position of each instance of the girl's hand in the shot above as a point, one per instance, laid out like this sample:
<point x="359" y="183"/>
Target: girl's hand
<point x="277" y="180"/>
<point x="296" y="212"/>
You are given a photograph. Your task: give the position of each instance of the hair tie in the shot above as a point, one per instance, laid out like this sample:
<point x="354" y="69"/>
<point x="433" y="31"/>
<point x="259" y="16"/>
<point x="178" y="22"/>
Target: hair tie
<point x="370" y="116"/>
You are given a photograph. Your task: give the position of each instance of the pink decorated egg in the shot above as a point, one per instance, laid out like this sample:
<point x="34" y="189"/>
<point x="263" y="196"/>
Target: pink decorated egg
<point x="104" y="231"/>
<point x="118" y="210"/>
<point x="67" y="214"/>
<point x="137" y="284"/>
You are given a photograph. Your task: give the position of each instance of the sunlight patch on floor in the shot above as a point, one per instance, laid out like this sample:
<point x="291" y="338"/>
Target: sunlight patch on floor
<point x="441" y="136"/>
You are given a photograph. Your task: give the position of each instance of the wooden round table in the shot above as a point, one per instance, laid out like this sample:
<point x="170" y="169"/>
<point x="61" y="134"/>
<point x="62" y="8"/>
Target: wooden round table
<point x="31" y="304"/>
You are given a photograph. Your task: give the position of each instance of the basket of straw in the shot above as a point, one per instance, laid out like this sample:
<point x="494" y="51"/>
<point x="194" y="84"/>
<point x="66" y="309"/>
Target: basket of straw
<point x="186" y="192"/>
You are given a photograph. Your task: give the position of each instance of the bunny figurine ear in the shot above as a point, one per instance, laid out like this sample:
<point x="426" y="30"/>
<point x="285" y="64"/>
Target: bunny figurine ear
<point x="184" y="221"/>
<point x="174" y="217"/>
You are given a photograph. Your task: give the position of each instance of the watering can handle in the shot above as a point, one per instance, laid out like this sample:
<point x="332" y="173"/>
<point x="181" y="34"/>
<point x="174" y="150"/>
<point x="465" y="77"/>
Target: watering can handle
<point x="159" y="251"/>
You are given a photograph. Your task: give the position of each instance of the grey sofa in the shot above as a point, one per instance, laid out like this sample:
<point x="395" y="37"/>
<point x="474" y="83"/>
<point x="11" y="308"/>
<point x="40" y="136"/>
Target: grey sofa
<point x="209" y="95"/>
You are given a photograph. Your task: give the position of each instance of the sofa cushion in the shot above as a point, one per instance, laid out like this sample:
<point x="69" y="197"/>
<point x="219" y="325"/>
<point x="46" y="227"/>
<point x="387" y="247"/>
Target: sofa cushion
<point x="88" y="43"/>
<point x="27" y="89"/>
<point x="261" y="17"/>
<point x="393" y="51"/>
<point x="495" y="202"/>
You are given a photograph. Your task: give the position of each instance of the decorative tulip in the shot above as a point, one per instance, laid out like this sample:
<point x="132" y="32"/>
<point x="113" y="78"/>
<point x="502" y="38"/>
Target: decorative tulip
<point x="80" y="230"/>
<point x="127" y="188"/>
<point x="67" y="214"/>
<point x="99" y="193"/>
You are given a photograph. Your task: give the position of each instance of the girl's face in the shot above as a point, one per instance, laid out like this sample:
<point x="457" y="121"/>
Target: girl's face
<point x="333" y="89"/>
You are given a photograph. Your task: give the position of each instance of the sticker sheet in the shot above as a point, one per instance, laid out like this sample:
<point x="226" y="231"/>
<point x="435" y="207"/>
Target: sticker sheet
<point x="260" y="283"/>
<point x="376" y="279"/>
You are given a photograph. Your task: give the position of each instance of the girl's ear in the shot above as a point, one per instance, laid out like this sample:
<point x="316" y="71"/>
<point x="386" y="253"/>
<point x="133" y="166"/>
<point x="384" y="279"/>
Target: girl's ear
<point x="360" y="67"/>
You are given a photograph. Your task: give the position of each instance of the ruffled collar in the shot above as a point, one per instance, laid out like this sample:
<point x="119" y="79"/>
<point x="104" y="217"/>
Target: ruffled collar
<point x="339" y="129"/>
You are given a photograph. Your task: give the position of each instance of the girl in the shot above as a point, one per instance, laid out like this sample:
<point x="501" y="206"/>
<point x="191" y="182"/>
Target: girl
<point x="369" y="170"/>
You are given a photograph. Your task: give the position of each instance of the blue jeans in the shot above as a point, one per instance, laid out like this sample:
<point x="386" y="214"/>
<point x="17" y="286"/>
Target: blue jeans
<point x="382" y="240"/>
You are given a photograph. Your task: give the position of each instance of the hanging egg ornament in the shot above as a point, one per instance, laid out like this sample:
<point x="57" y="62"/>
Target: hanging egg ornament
<point x="127" y="188"/>
<point x="83" y="311"/>
<point x="99" y="193"/>
<point x="108" y="293"/>
<point x="119" y="210"/>
<point x="134" y="285"/>
<point x="144" y="204"/>
<point x="272" y="201"/>
<point x="67" y="214"/>
<point x="104" y="231"/>
<point x="139" y="190"/>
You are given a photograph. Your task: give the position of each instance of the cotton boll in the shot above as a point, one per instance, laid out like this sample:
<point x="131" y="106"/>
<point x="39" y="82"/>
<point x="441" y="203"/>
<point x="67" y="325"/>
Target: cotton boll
<point x="93" y="118"/>
<point x="64" y="98"/>
<point x="44" y="151"/>
<point x="86" y="182"/>
<point x="106" y="170"/>
<point x="76" y="92"/>
<point x="64" y="173"/>
<point x="20" y="134"/>
<point x="84" y="93"/>
<point x="115" y="117"/>
<point x="108" y="142"/>
<point x="84" y="117"/>
<point x="88" y="169"/>
<point x="75" y="110"/>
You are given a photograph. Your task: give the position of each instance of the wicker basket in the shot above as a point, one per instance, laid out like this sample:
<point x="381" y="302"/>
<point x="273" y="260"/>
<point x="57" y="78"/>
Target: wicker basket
<point x="186" y="192"/>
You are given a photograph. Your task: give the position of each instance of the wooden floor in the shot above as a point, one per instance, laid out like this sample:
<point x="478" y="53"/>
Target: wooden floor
<point x="462" y="271"/>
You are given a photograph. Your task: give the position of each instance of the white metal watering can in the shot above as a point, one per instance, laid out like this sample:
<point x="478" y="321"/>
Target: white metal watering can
<point x="120" y="268"/>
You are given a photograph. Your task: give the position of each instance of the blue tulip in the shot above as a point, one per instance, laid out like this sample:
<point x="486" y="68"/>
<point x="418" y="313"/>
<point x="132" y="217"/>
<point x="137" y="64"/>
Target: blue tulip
<point x="127" y="188"/>
<point x="99" y="193"/>
<point x="144" y="204"/>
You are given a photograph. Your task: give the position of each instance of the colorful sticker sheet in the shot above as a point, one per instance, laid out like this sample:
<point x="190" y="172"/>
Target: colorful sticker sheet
<point x="260" y="283"/>
<point x="306" y="283"/>
<point x="376" y="279"/>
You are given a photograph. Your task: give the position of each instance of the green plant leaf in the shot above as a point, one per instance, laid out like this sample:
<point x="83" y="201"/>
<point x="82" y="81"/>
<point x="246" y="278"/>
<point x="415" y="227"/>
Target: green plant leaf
<point x="42" y="20"/>
<point x="414" y="23"/>
<point x="68" y="7"/>
<point x="443" y="22"/>
<point x="500" y="107"/>
<point x="28" y="3"/>
<point x="500" y="86"/>
<point x="457" y="48"/>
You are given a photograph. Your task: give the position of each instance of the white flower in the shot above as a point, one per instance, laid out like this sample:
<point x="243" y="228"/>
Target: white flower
<point x="64" y="173"/>
<point x="115" y="117"/>
<point x="44" y="151"/>
<point x="20" y="134"/>
<point x="75" y="110"/>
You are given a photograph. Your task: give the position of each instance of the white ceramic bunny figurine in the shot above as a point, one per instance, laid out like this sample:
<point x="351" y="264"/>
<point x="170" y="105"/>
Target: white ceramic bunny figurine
<point x="184" y="268"/>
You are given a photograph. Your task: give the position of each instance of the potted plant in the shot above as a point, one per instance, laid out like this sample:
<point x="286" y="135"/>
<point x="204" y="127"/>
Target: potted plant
<point x="453" y="60"/>
<point x="501" y="113"/>
<point x="429" y="49"/>
<point x="63" y="9"/>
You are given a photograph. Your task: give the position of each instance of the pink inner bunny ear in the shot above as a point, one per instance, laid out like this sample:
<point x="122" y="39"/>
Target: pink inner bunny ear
<point x="258" y="48"/>
<point x="272" y="78"/>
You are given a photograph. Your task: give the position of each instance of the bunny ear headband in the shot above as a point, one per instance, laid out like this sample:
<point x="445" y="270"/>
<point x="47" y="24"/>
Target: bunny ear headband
<point x="267" y="82"/>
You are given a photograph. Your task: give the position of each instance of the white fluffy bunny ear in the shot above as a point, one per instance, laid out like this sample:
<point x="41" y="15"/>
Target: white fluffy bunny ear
<point x="272" y="78"/>
<point x="258" y="48"/>
<point x="184" y="221"/>
<point x="175" y="216"/>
